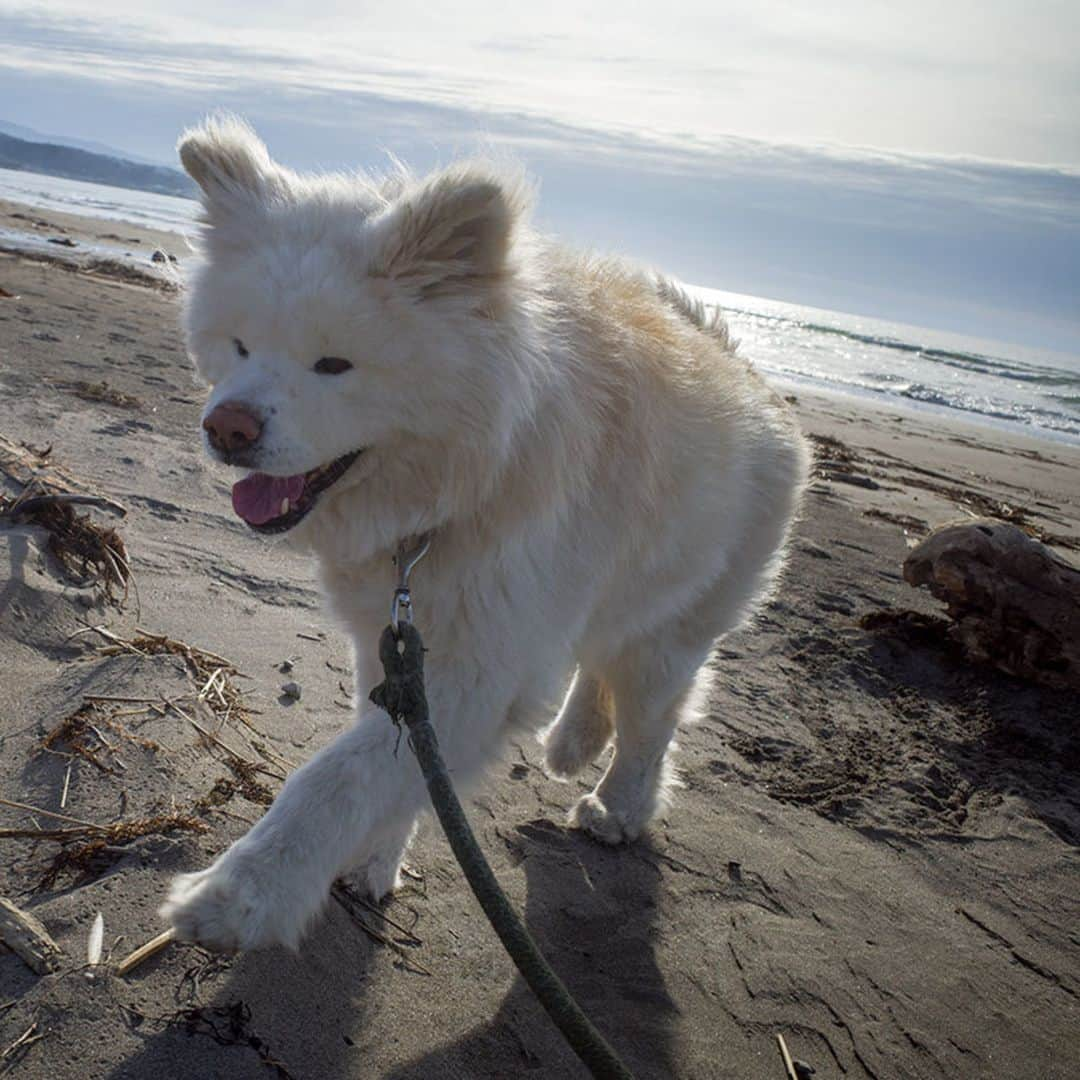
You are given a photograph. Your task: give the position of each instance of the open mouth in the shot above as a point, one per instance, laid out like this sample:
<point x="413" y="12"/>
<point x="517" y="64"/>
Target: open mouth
<point x="274" y="504"/>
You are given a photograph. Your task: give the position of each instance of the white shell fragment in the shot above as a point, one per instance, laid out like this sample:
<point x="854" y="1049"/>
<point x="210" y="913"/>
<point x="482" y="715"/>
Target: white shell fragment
<point x="94" y="942"/>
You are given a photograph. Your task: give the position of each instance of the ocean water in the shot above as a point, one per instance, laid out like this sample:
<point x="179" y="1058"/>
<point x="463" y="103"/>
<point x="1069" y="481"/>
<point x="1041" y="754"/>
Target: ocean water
<point x="1035" y="392"/>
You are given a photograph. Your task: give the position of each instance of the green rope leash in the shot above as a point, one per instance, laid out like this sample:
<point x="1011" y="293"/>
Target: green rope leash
<point x="402" y="696"/>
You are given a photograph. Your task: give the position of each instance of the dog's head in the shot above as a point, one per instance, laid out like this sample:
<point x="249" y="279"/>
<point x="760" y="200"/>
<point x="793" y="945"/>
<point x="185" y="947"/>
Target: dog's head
<point x="345" y="323"/>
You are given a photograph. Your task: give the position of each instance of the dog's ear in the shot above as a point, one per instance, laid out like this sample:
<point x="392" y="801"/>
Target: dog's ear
<point x="452" y="233"/>
<point x="231" y="164"/>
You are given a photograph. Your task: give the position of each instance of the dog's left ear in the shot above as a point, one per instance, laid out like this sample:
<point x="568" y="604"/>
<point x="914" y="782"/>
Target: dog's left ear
<point x="452" y="233"/>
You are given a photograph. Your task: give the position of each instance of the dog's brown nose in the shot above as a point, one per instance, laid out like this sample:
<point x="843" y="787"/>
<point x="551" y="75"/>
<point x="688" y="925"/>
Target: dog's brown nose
<point x="231" y="427"/>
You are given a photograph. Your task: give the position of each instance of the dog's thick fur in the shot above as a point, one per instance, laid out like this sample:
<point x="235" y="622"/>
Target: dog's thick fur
<point x="608" y="487"/>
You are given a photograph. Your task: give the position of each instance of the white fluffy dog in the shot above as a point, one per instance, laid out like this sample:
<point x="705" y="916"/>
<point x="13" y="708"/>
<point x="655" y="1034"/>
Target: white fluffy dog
<point x="607" y="486"/>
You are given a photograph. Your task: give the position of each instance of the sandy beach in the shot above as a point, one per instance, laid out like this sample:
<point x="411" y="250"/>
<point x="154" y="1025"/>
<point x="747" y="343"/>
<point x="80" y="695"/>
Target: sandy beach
<point x="874" y="852"/>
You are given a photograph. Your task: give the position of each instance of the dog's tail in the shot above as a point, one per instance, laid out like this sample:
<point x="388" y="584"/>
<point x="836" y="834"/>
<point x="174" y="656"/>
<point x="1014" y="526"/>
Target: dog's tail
<point x="694" y="311"/>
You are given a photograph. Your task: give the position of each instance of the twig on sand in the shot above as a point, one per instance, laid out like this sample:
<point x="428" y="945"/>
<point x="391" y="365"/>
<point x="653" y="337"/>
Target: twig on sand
<point x="144" y="952"/>
<point x="30" y="1036"/>
<point x="209" y="735"/>
<point x="62" y="835"/>
<point x="347" y="898"/>
<point x="39" y="502"/>
<point x="67" y="782"/>
<point x="789" y="1065"/>
<point x="52" y="814"/>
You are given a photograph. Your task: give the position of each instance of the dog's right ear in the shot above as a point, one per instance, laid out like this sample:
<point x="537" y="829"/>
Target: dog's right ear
<point x="231" y="164"/>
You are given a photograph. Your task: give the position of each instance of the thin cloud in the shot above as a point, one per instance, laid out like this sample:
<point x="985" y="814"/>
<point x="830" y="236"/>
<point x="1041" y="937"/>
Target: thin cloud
<point x="957" y="241"/>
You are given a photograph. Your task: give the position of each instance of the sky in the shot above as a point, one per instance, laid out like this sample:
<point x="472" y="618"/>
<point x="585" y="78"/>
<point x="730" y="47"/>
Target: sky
<point x="918" y="162"/>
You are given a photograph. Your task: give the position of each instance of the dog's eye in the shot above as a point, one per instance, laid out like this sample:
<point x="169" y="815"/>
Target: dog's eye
<point x="240" y="346"/>
<point x="332" y="365"/>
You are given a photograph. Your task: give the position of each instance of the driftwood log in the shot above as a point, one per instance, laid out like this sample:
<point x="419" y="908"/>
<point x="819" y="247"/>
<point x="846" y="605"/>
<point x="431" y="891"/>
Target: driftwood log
<point x="1014" y="603"/>
<point x="24" y="935"/>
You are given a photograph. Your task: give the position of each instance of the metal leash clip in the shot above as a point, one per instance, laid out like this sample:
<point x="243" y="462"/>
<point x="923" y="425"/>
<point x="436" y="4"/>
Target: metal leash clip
<point x="405" y="560"/>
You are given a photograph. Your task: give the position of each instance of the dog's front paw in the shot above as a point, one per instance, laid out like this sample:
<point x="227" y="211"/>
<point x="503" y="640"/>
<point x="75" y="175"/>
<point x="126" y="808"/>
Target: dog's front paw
<point x="235" y="905"/>
<point x="602" y="822"/>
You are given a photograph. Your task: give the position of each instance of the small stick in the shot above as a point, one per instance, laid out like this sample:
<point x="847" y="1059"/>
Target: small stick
<point x="97" y="731"/>
<point x="379" y="914"/>
<point x="84" y="630"/>
<point x="67" y="781"/>
<point x="224" y="746"/>
<point x="210" y="735"/>
<point x="210" y="683"/>
<point x="789" y="1065"/>
<point x="144" y="952"/>
<point x="25" y="1039"/>
<point x="39" y="502"/>
<point x="45" y="834"/>
<point x="337" y="892"/>
<point x="124" y="700"/>
<point x="49" y="813"/>
<point x="184" y="645"/>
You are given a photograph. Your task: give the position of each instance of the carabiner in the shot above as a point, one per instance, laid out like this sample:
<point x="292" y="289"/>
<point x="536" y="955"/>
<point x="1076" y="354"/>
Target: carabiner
<point x="405" y="561"/>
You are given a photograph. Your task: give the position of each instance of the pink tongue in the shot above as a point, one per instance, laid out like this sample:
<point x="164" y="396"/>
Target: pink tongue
<point x="258" y="497"/>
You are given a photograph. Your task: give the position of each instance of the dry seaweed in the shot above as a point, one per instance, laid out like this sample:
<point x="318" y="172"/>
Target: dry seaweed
<point x="831" y="451"/>
<point x="911" y="627"/>
<point x="906" y="521"/>
<point x="242" y="783"/>
<point x="80" y="735"/>
<point x="227" y="1025"/>
<point x="81" y="546"/>
<point x="102" y="846"/>
<point x="101" y="392"/>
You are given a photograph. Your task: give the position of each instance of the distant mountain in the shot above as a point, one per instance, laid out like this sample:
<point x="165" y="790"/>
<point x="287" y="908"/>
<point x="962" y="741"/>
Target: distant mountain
<point x="32" y="135"/>
<point x="75" y="163"/>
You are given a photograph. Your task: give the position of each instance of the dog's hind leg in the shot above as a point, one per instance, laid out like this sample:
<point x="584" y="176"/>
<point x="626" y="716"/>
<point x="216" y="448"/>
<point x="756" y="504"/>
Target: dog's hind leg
<point x="653" y="690"/>
<point x="583" y="727"/>
<point x="656" y="681"/>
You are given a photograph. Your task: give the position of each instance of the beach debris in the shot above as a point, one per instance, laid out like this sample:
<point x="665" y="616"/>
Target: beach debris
<point x="160" y="255"/>
<point x="95" y="941"/>
<point x="218" y="692"/>
<point x="912" y="525"/>
<point x="228" y="1025"/>
<point x="359" y="909"/>
<point x="99" y="841"/>
<point x="130" y="273"/>
<point x="14" y="1052"/>
<point x="84" y="853"/>
<point x="835" y="461"/>
<point x="1013" y="603"/>
<point x="63" y="241"/>
<point x="81" y="546"/>
<point x="101" y="391"/>
<point x="242" y="783"/>
<point x="80" y="735"/>
<point x="6" y="294"/>
<point x="25" y="936"/>
<point x="292" y="690"/>
<point x="144" y="952"/>
<point x="789" y="1065"/>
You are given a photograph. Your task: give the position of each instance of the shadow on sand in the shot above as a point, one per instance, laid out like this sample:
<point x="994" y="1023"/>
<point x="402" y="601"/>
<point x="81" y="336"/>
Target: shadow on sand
<point x="593" y="913"/>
